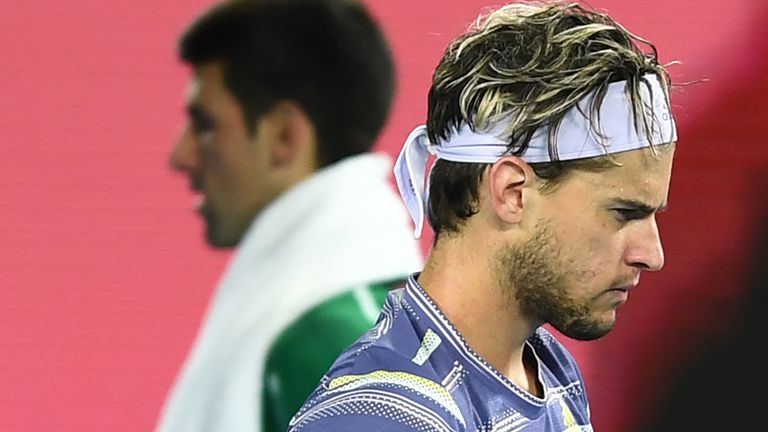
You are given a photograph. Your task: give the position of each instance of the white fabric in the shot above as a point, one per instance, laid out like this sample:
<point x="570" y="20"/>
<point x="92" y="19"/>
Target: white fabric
<point x="575" y="139"/>
<point x="341" y="228"/>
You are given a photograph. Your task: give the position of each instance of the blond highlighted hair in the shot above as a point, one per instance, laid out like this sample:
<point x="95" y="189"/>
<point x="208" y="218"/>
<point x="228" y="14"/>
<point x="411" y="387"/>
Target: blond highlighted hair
<point x="526" y="65"/>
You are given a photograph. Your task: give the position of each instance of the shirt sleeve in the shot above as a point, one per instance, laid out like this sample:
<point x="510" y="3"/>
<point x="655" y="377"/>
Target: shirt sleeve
<point x="304" y="352"/>
<point x="373" y="407"/>
<point x="360" y="424"/>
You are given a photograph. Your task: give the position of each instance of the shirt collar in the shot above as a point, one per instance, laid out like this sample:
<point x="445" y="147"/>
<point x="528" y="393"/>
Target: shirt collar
<point x="430" y="316"/>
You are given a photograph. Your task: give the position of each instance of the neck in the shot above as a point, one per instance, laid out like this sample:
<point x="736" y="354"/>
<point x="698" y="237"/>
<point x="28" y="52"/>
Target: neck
<point x="460" y="278"/>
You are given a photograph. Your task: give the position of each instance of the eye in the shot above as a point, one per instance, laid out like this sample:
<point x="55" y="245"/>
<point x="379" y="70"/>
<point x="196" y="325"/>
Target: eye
<point x="628" y="214"/>
<point x="204" y="130"/>
<point x="202" y="125"/>
<point x="200" y="120"/>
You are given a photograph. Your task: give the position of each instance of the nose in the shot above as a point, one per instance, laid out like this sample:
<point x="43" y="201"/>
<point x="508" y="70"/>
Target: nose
<point x="644" y="250"/>
<point x="184" y="155"/>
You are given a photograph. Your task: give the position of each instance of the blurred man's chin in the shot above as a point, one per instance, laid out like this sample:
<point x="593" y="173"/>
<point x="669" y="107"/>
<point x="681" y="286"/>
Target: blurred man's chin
<point x="215" y="236"/>
<point x="223" y="231"/>
<point x="219" y="241"/>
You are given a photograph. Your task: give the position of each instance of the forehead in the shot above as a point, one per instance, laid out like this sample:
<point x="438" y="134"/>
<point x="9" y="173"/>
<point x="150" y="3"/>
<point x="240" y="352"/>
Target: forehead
<point x="207" y="84"/>
<point x="208" y="93"/>
<point x="641" y="175"/>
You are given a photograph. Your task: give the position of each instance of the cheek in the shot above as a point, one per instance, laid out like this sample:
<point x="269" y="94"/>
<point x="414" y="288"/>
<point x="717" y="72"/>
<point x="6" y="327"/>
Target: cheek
<point x="223" y="165"/>
<point x="212" y="169"/>
<point x="593" y="259"/>
<point x="212" y="155"/>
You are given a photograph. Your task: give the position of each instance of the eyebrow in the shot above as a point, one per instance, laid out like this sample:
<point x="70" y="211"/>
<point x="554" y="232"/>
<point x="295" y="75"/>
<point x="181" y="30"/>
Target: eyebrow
<point x="640" y="206"/>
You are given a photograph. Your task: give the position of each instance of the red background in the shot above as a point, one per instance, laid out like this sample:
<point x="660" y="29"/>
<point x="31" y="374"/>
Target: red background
<point x="105" y="275"/>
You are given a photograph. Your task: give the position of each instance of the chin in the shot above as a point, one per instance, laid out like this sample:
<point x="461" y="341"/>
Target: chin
<point x="220" y="242"/>
<point x="585" y="329"/>
<point x="219" y="238"/>
<point x="215" y="238"/>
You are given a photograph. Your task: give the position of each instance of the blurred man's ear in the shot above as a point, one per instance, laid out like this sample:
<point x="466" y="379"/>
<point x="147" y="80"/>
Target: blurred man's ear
<point x="290" y="137"/>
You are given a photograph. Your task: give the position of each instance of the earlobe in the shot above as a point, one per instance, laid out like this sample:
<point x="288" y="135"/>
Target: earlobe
<point x="509" y="179"/>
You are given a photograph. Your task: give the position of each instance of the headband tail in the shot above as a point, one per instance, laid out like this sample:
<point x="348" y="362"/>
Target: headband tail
<point x="410" y="169"/>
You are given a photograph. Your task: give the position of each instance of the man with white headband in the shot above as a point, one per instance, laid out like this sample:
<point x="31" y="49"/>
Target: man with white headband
<point x="553" y="139"/>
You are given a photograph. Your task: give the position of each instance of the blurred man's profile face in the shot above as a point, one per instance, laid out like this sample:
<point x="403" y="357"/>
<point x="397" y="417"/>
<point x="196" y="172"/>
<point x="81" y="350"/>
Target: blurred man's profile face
<point x="596" y="234"/>
<point x="226" y="165"/>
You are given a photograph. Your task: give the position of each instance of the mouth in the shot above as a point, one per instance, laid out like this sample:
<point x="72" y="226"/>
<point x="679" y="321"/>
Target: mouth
<point x="620" y="295"/>
<point x="627" y="284"/>
<point x="198" y="201"/>
<point x="198" y="196"/>
<point x="624" y="288"/>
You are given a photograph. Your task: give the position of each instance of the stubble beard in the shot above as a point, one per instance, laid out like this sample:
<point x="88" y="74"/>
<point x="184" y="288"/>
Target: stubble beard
<point x="534" y="274"/>
<point x="214" y="234"/>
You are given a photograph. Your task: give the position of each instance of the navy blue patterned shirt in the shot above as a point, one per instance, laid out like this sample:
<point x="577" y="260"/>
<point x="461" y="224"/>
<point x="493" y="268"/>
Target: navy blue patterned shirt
<point x="414" y="372"/>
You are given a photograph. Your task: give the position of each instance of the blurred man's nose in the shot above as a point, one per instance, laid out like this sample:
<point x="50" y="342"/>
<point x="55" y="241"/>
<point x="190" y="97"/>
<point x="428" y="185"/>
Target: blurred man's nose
<point x="184" y="155"/>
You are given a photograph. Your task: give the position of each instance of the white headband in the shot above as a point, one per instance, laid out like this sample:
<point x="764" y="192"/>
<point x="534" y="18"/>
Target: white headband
<point x="576" y="139"/>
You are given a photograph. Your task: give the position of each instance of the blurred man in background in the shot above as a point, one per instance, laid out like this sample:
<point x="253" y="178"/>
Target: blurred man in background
<point x="554" y="143"/>
<point x="286" y="101"/>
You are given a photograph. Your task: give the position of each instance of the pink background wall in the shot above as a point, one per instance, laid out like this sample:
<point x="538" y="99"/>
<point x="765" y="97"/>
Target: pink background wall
<point x="105" y="275"/>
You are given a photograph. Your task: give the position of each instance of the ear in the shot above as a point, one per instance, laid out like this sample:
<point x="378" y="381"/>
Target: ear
<point x="509" y="180"/>
<point x="291" y="140"/>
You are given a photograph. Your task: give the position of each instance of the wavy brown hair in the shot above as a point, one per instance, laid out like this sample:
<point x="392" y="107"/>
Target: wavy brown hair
<point x="528" y="64"/>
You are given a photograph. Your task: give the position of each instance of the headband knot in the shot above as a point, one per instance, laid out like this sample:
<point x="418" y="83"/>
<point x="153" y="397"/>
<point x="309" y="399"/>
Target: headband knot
<point x="576" y="139"/>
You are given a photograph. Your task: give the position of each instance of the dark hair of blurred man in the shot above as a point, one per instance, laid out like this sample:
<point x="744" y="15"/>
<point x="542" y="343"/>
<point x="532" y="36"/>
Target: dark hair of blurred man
<point x="286" y="100"/>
